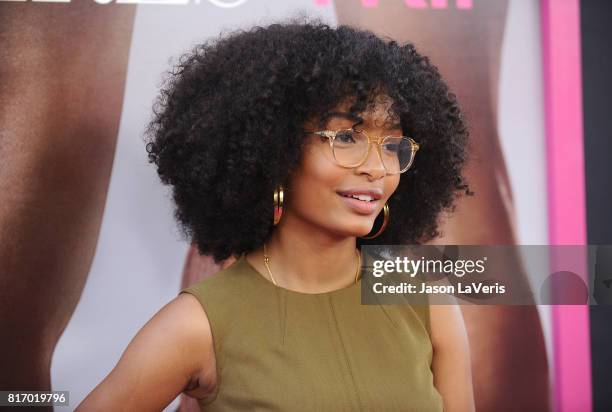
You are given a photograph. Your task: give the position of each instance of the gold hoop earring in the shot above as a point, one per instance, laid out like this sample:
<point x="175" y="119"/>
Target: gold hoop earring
<point x="278" y="204"/>
<point x="384" y="224"/>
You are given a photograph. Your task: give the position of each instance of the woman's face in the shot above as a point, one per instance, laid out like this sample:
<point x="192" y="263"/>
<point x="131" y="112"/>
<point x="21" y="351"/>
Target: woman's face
<point x="321" y="188"/>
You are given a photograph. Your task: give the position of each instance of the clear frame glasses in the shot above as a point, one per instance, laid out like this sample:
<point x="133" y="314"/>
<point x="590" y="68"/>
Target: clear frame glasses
<point x="351" y="148"/>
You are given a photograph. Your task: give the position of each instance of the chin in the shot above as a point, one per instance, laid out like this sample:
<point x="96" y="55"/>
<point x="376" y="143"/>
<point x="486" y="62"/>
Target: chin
<point x="360" y="231"/>
<point x="352" y="226"/>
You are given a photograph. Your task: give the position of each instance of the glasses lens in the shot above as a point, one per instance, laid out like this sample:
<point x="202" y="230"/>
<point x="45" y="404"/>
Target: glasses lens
<point x="350" y="147"/>
<point x="397" y="153"/>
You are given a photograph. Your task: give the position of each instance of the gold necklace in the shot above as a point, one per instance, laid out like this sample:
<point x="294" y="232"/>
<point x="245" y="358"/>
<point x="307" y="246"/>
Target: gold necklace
<point x="267" y="263"/>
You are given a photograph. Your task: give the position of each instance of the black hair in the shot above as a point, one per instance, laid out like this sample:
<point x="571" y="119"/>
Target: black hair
<point x="227" y="127"/>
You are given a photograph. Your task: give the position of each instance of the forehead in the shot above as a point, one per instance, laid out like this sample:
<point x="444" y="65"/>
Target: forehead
<point x="380" y="114"/>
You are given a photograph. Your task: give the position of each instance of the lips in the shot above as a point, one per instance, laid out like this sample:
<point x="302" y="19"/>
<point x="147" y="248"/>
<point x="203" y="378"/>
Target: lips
<point x="363" y="194"/>
<point x="362" y="201"/>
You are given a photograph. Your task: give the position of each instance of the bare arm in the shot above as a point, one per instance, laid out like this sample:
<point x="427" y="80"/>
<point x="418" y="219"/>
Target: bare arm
<point x="172" y="353"/>
<point x="451" y="358"/>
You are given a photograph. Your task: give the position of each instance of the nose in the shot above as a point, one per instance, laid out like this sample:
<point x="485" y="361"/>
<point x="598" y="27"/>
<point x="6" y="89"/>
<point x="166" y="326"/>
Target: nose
<point x="372" y="165"/>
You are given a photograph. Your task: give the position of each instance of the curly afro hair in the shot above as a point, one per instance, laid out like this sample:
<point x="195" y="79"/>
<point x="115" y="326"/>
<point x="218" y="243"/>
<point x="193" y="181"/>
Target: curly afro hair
<point x="227" y="128"/>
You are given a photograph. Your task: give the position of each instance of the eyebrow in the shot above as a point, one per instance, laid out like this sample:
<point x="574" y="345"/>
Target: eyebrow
<point x="358" y="119"/>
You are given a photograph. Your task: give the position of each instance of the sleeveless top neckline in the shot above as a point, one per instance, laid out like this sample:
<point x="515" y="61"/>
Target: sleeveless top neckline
<point x="242" y="262"/>
<point x="283" y="350"/>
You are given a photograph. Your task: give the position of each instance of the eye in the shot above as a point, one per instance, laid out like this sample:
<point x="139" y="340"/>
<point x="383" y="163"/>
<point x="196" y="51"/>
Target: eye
<point x="391" y="147"/>
<point x="345" y="136"/>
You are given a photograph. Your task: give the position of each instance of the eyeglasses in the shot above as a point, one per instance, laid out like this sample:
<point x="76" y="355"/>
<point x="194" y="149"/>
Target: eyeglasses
<point x="351" y="148"/>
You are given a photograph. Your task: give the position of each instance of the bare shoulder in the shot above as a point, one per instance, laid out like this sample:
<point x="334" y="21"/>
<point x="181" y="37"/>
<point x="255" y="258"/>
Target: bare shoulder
<point x="447" y="325"/>
<point x="172" y="353"/>
<point x="200" y="341"/>
<point x="187" y="310"/>
<point x="451" y="364"/>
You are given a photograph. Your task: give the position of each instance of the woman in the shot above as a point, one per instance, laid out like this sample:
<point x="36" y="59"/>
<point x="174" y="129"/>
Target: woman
<point x="282" y="145"/>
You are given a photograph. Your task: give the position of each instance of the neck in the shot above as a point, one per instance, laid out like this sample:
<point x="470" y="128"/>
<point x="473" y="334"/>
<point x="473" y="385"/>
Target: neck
<point x="308" y="259"/>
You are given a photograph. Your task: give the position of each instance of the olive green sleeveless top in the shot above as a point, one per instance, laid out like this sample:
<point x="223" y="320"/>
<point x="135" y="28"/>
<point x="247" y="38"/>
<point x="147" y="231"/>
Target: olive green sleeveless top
<point x="283" y="350"/>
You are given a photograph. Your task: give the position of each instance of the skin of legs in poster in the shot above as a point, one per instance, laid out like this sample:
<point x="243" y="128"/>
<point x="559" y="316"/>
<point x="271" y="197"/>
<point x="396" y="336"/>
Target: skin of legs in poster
<point x="63" y="75"/>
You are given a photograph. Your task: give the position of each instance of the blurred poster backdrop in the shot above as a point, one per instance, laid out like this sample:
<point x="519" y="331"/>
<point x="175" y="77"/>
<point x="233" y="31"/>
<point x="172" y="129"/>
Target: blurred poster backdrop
<point x="488" y="51"/>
